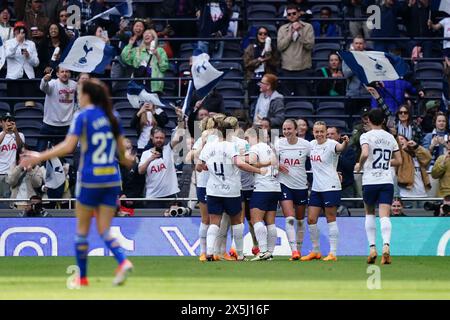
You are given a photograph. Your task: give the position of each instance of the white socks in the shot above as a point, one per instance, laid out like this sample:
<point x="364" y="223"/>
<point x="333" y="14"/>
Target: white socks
<point x="211" y="237"/>
<point x="202" y="231"/>
<point x="290" y="232"/>
<point x="334" y="235"/>
<point x="261" y="235"/>
<point x="300" y="233"/>
<point x="238" y="236"/>
<point x="314" y="234"/>
<point x="371" y="229"/>
<point x="386" y="228"/>
<point x="271" y="237"/>
<point x="221" y="242"/>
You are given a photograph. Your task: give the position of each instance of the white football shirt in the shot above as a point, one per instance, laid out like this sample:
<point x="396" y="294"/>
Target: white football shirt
<point x="247" y="178"/>
<point x="202" y="177"/>
<point x="8" y="150"/>
<point x="267" y="182"/>
<point x="324" y="160"/>
<point x="161" y="177"/>
<point x="294" y="157"/>
<point x="377" y="168"/>
<point x="224" y="176"/>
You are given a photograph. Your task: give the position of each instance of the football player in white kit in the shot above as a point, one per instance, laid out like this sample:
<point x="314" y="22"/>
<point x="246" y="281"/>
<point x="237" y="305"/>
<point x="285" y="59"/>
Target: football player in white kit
<point x="265" y="197"/>
<point x="326" y="189"/>
<point x="223" y="161"/>
<point x="292" y="153"/>
<point x="379" y="151"/>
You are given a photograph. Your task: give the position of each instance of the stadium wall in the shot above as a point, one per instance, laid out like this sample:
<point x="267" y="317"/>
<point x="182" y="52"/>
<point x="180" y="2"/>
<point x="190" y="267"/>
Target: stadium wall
<point x="154" y="236"/>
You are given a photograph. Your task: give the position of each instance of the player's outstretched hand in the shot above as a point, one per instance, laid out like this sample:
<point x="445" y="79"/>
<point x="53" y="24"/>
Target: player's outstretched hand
<point x="29" y="159"/>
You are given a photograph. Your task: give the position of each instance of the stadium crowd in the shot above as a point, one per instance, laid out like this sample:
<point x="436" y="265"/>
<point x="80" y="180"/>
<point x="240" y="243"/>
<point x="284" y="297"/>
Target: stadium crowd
<point x="285" y="58"/>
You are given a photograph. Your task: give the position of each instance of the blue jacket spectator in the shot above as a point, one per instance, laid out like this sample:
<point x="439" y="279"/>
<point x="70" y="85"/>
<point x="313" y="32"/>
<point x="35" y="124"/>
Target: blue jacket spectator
<point x="393" y="93"/>
<point x="325" y="28"/>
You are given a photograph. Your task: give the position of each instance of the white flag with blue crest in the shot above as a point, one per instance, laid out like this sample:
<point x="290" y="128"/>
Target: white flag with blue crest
<point x="204" y="76"/>
<point x="123" y="9"/>
<point x="370" y="66"/>
<point x="87" y="54"/>
<point x="441" y="5"/>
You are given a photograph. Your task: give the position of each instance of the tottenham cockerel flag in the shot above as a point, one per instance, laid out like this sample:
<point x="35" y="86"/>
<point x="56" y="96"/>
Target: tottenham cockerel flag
<point x="204" y="78"/>
<point x="137" y="94"/>
<point x="123" y="9"/>
<point x="441" y="5"/>
<point x="87" y="54"/>
<point x="370" y="66"/>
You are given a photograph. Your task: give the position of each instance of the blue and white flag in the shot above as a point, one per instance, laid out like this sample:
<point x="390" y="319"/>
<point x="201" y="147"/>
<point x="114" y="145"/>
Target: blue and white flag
<point x="87" y="54"/>
<point x="204" y="76"/>
<point x="54" y="173"/>
<point x="123" y="9"/>
<point x="370" y="66"/>
<point x="441" y="5"/>
<point x="187" y="100"/>
<point x="137" y="94"/>
<point x="2" y="54"/>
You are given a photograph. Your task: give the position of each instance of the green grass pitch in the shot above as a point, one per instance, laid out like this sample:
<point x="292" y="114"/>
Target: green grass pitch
<point x="187" y="278"/>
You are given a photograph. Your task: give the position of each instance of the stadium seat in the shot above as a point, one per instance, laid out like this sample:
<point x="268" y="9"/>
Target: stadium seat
<point x="230" y="89"/>
<point x="332" y="122"/>
<point x="232" y="50"/>
<point x="232" y="105"/>
<point x="186" y="50"/>
<point x="261" y="11"/>
<point x="322" y="50"/>
<point x="331" y="108"/>
<point x="432" y="89"/>
<point x="296" y="109"/>
<point x="3" y="89"/>
<point x="428" y="70"/>
<point x="125" y="110"/>
<point x="27" y="122"/>
<point x="29" y="112"/>
<point x="233" y="69"/>
<point x="4" y="107"/>
<point x="31" y="132"/>
<point x="21" y="106"/>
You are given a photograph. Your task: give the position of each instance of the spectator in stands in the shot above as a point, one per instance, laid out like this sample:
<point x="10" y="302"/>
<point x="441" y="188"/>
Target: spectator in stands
<point x="198" y="114"/>
<point x="295" y="42"/>
<point x="55" y="38"/>
<point x="406" y="126"/>
<point x="358" y="130"/>
<point x="260" y="57"/>
<point x="213" y="20"/>
<point x="100" y="32"/>
<point x="415" y="17"/>
<point x="24" y="181"/>
<point x="147" y="117"/>
<point x="325" y="28"/>
<point x="37" y="21"/>
<point x="70" y="30"/>
<point x="444" y="24"/>
<point x="213" y="102"/>
<point x="235" y="11"/>
<point x="6" y="30"/>
<point x="89" y="9"/>
<point x="426" y="121"/>
<point x="346" y="163"/>
<point x="355" y="90"/>
<point x="49" y="7"/>
<point x="119" y="68"/>
<point x="59" y="106"/>
<point x="304" y="9"/>
<point x="436" y="141"/>
<point x="303" y="129"/>
<point x="158" y="165"/>
<point x="357" y="9"/>
<point x="390" y="10"/>
<point x="394" y="93"/>
<point x="334" y="70"/>
<point x="21" y="58"/>
<point x="441" y="171"/>
<point x="412" y="176"/>
<point x="10" y="141"/>
<point x="149" y="60"/>
<point x="270" y="103"/>
<point x="397" y="208"/>
<point x="265" y="124"/>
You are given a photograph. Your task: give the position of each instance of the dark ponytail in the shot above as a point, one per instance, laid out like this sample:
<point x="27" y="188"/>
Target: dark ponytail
<point x="99" y="95"/>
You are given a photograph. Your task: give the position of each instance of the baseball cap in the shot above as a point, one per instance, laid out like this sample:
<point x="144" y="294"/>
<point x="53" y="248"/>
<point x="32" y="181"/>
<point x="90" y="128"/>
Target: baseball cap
<point x="9" y="116"/>
<point x="365" y="111"/>
<point x="19" y="24"/>
<point x="432" y="104"/>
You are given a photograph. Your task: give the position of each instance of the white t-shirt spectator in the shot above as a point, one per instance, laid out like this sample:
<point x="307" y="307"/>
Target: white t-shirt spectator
<point x="17" y="63"/>
<point x="377" y="168"/>
<point x="8" y="151"/>
<point x="324" y="160"/>
<point x="445" y="23"/>
<point x="144" y="137"/>
<point x="224" y="176"/>
<point x="267" y="182"/>
<point x="294" y="157"/>
<point x="161" y="176"/>
<point x="59" y="105"/>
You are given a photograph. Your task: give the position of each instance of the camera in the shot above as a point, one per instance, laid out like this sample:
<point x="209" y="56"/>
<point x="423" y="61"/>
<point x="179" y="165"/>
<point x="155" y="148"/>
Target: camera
<point x="436" y="208"/>
<point x="176" y="211"/>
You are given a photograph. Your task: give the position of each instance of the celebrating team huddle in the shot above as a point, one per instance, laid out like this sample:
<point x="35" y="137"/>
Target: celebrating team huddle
<point x="249" y="178"/>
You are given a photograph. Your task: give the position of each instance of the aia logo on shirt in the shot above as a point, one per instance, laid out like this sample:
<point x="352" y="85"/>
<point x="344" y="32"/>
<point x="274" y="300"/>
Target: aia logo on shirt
<point x="7" y="147"/>
<point x="291" y="162"/>
<point x="315" y="158"/>
<point x="158" y="168"/>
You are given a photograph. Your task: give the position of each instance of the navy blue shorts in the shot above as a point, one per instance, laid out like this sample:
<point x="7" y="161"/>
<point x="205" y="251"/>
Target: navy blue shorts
<point x="299" y="197"/>
<point x="246" y="195"/>
<point x="378" y="193"/>
<point x="219" y="205"/>
<point x="325" y="199"/>
<point x="94" y="197"/>
<point x="265" y="201"/>
<point x="201" y="194"/>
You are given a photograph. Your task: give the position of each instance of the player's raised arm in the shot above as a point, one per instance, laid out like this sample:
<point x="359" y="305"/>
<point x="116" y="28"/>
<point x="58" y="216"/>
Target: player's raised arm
<point x="340" y="147"/>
